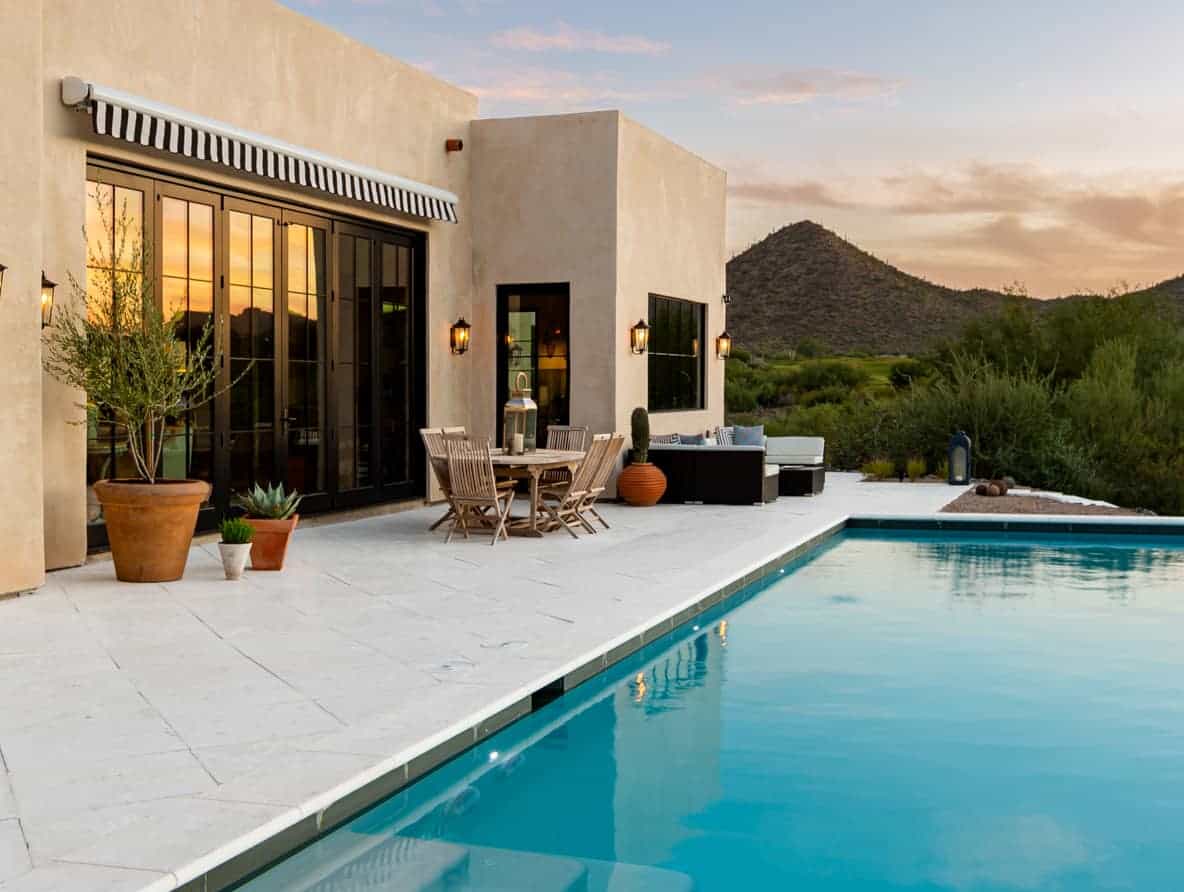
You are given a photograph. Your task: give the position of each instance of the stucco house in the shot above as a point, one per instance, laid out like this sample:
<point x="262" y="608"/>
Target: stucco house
<point x="334" y="212"/>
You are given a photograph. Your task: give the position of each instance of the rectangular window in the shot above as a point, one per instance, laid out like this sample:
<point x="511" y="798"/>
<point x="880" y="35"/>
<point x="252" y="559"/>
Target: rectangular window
<point x="675" y="354"/>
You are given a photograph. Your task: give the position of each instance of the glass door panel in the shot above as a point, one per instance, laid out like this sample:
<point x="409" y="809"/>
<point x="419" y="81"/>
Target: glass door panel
<point x="186" y="250"/>
<point x="307" y="363"/>
<point x="251" y="248"/>
<point x="395" y="355"/>
<point x="354" y="368"/>
<point x="534" y="337"/>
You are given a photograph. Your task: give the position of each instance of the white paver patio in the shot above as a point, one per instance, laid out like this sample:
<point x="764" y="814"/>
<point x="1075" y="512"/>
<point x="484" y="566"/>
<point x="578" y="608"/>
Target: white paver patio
<point x="149" y="732"/>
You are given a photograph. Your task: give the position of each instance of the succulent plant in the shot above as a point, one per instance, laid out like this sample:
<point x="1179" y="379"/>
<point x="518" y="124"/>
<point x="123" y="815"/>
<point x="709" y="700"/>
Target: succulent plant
<point x="640" y="422"/>
<point x="269" y="504"/>
<point x="236" y="531"/>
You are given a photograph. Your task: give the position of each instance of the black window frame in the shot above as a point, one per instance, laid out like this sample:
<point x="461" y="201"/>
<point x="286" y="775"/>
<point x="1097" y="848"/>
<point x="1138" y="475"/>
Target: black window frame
<point x="677" y="331"/>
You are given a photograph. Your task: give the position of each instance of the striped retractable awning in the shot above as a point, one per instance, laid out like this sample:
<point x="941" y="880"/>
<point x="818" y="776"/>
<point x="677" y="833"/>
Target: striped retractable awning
<point x="155" y="126"/>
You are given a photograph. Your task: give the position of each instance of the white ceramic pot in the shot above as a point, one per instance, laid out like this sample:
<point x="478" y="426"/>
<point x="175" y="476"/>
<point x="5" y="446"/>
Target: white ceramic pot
<point x="234" y="558"/>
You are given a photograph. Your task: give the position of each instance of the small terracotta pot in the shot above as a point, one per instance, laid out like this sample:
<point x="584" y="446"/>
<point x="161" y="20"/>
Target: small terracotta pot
<point x="641" y="484"/>
<point x="270" y="542"/>
<point x="234" y="558"/>
<point x="150" y="525"/>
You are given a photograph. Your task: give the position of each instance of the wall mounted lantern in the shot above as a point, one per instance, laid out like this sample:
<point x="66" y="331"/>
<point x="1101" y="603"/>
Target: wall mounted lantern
<point x="961" y="466"/>
<point x="458" y="336"/>
<point x="723" y="345"/>
<point x="2" y="269"/>
<point x="47" y="288"/>
<point x="639" y="337"/>
<point x="727" y="299"/>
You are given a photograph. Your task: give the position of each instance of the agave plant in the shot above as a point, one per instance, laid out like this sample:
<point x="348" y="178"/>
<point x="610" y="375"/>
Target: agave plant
<point x="271" y="503"/>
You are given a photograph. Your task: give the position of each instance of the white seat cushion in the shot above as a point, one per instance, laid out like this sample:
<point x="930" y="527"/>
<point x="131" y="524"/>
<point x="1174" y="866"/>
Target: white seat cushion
<point x="795" y="450"/>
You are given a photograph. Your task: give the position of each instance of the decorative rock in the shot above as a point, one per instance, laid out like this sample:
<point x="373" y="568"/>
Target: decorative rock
<point x="1010" y="481"/>
<point x="1002" y="485"/>
<point x="993" y="490"/>
<point x="981" y="489"/>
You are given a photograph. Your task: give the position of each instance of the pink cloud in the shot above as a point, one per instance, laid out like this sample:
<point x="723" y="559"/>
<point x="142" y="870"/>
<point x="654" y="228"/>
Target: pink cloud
<point x="565" y="38"/>
<point x="795" y="86"/>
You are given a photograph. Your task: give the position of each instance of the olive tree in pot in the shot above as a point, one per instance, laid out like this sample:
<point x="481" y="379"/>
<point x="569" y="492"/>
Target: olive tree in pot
<point x="114" y="346"/>
<point x="641" y="483"/>
<point x="272" y="514"/>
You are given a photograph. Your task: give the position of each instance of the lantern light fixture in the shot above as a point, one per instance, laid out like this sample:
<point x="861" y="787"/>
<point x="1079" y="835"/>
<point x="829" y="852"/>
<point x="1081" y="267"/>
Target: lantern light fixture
<point x="47" y="288"/>
<point x="458" y="336"/>
<point x="727" y="299"/>
<point x="639" y="337"/>
<point x="960" y="459"/>
<point x="723" y="345"/>
<point x="2" y="269"/>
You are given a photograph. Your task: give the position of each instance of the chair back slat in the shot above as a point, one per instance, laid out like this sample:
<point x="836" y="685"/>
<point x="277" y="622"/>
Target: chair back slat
<point x="470" y="469"/>
<point x="567" y="437"/>
<point x="585" y="472"/>
<point x="608" y="462"/>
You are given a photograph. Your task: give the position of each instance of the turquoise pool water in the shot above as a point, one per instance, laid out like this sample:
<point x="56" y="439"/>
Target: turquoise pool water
<point x="896" y="712"/>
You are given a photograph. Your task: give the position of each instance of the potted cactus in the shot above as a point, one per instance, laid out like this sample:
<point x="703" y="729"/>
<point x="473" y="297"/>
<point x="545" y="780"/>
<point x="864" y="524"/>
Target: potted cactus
<point x="235" y="545"/>
<point x="272" y="515"/>
<point x="641" y="483"/>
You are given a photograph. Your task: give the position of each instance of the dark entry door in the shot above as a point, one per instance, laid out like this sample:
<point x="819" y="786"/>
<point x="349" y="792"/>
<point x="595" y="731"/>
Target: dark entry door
<point x="533" y="333"/>
<point x="378" y="366"/>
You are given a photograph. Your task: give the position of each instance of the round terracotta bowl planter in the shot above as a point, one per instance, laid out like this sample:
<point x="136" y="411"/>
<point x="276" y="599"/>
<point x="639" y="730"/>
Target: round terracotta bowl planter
<point x="270" y="542"/>
<point x="641" y="484"/>
<point x="150" y="525"/>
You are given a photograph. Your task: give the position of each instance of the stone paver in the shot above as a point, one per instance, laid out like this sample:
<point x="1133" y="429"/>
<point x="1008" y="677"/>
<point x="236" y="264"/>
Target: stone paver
<point x="147" y="732"/>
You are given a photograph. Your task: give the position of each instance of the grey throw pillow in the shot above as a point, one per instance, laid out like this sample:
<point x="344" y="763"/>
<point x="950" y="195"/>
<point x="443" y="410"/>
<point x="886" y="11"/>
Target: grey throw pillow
<point x="692" y="439"/>
<point x="749" y="436"/>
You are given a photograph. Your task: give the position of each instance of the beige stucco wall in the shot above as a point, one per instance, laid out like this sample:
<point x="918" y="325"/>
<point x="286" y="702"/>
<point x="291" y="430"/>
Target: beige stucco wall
<point x="599" y="201"/>
<point x="21" y="543"/>
<point x="671" y="237"/>
<point x="262" y="67"/>
<point x="544" y="210"/>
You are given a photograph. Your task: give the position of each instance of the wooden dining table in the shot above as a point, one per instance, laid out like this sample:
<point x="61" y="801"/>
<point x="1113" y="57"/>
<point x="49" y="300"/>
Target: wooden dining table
<point x="531" y="466"/>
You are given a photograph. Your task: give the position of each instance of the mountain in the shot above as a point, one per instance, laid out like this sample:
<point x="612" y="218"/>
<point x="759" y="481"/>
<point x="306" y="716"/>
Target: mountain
<point x="805" y="281"/>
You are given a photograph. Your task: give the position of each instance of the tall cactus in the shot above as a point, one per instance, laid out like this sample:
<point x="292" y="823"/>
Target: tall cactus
<point x="640" y="422"/>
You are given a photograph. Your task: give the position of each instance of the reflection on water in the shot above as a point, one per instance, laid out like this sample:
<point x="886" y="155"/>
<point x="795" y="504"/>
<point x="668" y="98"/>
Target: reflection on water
<point x="913" y="714"/>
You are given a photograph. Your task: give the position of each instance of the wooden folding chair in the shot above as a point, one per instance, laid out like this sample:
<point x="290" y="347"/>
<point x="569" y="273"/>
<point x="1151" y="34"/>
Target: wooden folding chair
<point x="433" y="443"/>
<point x="562" y="502"/>
<point x="599" y="483"/>
<point x="474" y="487"/>
<point x="569" y="439"/>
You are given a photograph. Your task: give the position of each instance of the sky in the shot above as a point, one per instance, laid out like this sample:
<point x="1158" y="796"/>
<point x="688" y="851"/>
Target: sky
<point x="974" y="144"/>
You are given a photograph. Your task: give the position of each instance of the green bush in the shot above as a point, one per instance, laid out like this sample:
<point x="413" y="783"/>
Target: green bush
<point x="835" y="394"/>
<point x="819" y="373"/>
<point x="906" y="372"/>
<point x="811" y="348"/>
<point x="879" y="469"/>
<point x="915" y="468"/>
<point x="741" y="354"/>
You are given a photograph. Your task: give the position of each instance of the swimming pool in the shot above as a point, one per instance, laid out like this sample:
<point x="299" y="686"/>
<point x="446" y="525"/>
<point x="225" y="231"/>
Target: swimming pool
<point x="897" y="711"/>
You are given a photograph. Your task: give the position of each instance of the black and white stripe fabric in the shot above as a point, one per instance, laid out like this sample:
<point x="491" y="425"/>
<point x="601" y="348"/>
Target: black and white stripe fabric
<point x="167" y="135"/>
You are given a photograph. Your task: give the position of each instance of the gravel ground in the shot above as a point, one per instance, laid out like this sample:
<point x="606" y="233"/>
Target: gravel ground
<point x="969" y="503"/>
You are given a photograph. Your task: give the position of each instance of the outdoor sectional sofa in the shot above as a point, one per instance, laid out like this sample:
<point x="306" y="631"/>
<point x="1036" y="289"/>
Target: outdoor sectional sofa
<point x="717" y="474"/>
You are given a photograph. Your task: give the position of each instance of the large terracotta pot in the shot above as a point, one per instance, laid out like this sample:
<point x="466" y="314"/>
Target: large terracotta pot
<point x="641" y="484"/>
<point x="270" y="542"/>
<point x="150" y="525"/>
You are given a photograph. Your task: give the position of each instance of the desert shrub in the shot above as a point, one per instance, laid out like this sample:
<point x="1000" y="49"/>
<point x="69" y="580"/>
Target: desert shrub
<point x="834" y="394"/>
<point x="905" y="372"/>
<point x="915" y="468"/>
<point x="879" y="469"/>
<point x="741" y="354"/>
<point x="811" y="348"/>
<point x="819" y="373"/>
<point x="739" y="397"/>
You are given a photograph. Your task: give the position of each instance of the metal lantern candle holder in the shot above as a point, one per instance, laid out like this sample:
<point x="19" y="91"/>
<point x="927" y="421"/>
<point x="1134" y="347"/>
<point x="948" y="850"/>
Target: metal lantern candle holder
<point x="960" y="459"/>
<point x="520" y="417"/>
